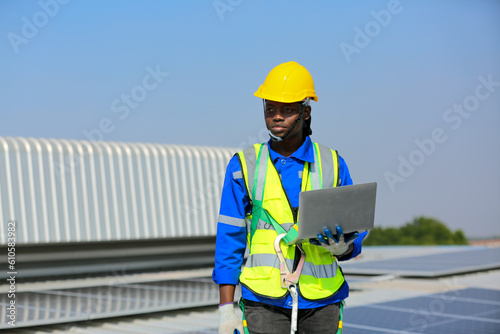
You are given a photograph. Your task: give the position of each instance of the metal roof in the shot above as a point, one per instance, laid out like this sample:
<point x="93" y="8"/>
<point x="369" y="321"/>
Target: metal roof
<point x="84" y="191"/>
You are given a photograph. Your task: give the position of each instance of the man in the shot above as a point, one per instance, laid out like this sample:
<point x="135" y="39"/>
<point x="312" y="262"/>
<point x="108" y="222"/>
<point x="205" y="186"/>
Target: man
<point x="260" y="201"/>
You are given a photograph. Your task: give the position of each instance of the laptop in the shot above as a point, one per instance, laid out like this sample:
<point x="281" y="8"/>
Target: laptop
<point x="350" y="207"/>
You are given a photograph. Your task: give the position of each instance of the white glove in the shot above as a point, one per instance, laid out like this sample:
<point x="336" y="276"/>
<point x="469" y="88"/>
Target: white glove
<point x="228" y="320"/>
<point x="335" y="245"/>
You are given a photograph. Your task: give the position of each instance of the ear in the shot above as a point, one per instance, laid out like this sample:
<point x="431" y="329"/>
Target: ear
<point x="307" y="112"/>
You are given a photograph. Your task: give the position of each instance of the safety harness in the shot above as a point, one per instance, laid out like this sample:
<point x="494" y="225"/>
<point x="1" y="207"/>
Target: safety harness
<point x="289" y="280"/>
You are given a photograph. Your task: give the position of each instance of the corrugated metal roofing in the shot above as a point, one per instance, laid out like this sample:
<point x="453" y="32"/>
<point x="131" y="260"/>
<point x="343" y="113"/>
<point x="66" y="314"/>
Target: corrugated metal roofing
<point x="76" y="191"/>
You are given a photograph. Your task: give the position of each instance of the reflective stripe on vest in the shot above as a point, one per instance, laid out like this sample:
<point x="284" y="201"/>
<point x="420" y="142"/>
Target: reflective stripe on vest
<point x="269" y="260"/>
<point x="321" y="277"/>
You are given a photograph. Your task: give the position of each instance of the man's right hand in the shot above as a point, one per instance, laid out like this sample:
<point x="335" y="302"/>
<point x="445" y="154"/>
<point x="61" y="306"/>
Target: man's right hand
<point x="229" y="322"/>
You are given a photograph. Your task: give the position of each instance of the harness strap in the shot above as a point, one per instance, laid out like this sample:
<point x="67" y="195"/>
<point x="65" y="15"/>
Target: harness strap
<point x="341" y="317"/>
<point x="241" y="304"/>
<point x="289" y="280"/>
<point x="295" y="309"/>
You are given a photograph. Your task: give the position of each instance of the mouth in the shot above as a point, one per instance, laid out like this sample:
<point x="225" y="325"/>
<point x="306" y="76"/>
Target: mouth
<point x="278" y="128"/>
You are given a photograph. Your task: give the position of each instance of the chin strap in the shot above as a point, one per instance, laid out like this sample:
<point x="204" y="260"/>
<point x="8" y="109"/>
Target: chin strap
<point x="299" y="117"/>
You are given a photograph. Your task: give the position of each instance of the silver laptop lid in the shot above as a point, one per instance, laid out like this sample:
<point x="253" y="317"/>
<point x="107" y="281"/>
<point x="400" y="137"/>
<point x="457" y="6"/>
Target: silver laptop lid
<point x="350" y="207"/>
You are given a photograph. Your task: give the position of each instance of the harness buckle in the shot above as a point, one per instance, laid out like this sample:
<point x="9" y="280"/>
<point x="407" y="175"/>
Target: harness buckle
<point x="288" y="279"/>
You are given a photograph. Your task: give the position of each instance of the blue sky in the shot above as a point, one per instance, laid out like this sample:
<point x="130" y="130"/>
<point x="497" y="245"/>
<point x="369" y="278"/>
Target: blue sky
<point x="409" y="91"/>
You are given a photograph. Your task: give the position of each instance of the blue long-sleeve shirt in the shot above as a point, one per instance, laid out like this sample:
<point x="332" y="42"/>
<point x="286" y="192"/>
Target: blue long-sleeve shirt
<point x="231" y="228"/>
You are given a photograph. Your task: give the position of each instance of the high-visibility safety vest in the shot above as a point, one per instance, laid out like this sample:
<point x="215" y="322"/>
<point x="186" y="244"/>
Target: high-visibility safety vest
<point x="321" y="277"/>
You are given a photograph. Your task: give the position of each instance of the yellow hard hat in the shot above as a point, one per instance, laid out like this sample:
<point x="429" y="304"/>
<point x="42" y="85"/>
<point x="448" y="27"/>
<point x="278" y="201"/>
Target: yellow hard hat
<point x="287" y="82"/>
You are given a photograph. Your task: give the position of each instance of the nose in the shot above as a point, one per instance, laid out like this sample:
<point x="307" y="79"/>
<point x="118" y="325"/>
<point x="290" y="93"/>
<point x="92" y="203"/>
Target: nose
<point x="278" y="116"/>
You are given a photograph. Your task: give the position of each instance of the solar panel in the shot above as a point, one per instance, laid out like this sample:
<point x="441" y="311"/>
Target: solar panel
<point x="77" y="304"/>
<point x="434" y="265"/>
<point x="438" y="304"/>
<point x="459" y="312"/>
<point x="493" y="315"/>
<point x="481" y="294"/>
<point x="463" y="326"/>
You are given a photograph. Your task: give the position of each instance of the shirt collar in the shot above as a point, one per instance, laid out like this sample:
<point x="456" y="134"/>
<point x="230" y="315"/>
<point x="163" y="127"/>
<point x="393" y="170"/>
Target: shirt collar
<point x="304" y="153"/>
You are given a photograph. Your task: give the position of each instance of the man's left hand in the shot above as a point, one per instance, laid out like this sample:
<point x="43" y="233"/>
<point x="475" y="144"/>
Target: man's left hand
<point x="337" y="245"/>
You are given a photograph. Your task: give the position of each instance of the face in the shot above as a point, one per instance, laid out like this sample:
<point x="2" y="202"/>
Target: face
<point x="280" y="117"/>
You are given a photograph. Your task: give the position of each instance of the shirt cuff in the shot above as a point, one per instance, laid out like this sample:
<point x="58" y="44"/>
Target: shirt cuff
<point x="226" y="276"/>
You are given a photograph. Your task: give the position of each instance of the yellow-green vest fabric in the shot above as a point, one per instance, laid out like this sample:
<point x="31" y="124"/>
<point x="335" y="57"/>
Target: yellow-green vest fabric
<point x="321" y="277"/>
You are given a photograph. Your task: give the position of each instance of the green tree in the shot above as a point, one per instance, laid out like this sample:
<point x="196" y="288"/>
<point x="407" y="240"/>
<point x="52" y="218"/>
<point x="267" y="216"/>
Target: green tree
<point x="459" y="238"/>
<point x="421" y="231"/>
